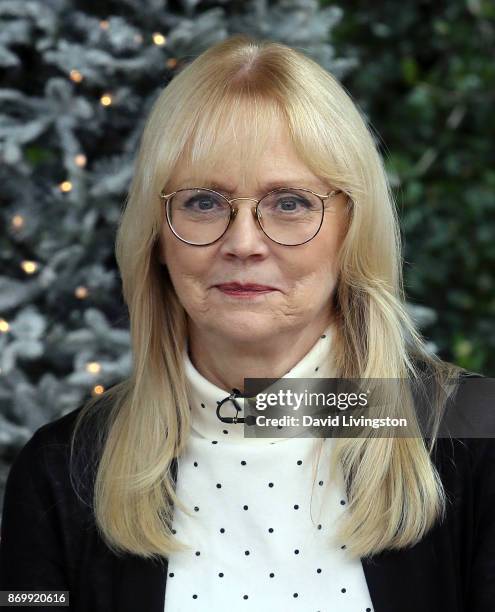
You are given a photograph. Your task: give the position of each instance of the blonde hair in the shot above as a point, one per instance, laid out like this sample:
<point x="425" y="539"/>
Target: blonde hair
<point x="394" y="490"/>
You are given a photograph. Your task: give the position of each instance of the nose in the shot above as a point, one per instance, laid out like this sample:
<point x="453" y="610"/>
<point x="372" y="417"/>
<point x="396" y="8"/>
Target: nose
<point x="244" y="233"/>
<point x="252" y="208"/>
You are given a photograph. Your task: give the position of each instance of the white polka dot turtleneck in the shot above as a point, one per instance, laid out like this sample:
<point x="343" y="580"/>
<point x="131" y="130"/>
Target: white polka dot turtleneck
<point x="260" y="522"/>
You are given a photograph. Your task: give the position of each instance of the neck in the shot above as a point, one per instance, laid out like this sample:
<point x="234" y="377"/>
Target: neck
<point x="227" y="361"/>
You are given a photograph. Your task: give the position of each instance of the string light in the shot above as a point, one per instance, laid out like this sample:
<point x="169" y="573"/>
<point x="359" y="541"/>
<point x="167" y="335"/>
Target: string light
<point x="80" y="160"/>
<point x="159" y="39"/>
<point x="65" y="186"/>
<point x="76" y="76"/>
<point x="4" y="326"/>
<point x="29" y="266"/>
<point x="93" y="367"/>
<point x="106" y="99"/>
<point x="17" y="221"/>
<point x="81" y="292"/>
<point x="98" y="389"/>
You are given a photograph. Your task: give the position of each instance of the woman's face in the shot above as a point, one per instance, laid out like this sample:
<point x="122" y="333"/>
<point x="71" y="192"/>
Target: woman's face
<point x="303" y="276"/>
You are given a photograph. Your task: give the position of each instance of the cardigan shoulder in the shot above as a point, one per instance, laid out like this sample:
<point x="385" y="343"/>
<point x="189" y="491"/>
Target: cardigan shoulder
<point x="46" y="515"/>
<point x="46" y="457"/>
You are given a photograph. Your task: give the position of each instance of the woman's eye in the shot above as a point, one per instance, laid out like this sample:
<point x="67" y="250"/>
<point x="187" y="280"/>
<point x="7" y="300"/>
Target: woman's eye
<point x="291" y="204"/>
<point x="201" y="203"/>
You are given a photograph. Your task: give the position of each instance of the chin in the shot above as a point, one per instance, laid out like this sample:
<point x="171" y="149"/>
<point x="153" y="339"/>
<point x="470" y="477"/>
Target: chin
<point x="242" y="329"/>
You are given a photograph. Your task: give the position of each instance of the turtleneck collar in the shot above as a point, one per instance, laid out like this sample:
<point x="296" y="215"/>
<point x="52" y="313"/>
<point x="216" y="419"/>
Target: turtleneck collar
<point x="203" y="395"/>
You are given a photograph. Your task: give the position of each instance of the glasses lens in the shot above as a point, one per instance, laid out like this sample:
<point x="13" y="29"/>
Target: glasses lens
<point x="198" y="216"/>
<point x="292" y="216"/>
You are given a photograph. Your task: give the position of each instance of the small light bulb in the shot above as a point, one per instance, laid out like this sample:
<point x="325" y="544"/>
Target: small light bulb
<point x="159" y="39"/>
<point x="76" y="76"/>
<point x="81" y="292"/>
<point x="93" y="367"/>
<point x="29" y="266"/>
<point x="17" y="221"/>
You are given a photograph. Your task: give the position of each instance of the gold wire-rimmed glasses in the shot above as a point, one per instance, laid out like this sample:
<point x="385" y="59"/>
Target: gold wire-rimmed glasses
<point x="294" y="226"/>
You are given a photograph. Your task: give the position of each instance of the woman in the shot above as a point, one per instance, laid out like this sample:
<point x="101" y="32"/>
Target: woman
<point x="259" y="240"/>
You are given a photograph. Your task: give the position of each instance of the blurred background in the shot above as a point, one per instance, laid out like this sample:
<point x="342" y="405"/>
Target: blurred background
<point x="77" y="81"/>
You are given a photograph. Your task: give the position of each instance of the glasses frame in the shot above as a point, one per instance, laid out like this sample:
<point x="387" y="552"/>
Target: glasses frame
<point x="254" y="210"/>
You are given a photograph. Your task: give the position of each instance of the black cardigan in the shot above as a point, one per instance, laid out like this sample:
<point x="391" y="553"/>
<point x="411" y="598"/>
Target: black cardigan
<point x="49" y="540"/>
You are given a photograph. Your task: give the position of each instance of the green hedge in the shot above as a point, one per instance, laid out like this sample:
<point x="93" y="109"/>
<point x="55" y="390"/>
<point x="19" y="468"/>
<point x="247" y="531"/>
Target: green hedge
<point x="426" y="80"/>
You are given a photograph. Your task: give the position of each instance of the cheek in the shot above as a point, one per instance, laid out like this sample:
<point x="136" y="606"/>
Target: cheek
<point x="182" y="260"/>
<point x="315" y="280"/>
<point x="187" y="271"/>
<point x="189" y="291"/>
<point x="314" y="273"/>
<point x="319" y="259"/>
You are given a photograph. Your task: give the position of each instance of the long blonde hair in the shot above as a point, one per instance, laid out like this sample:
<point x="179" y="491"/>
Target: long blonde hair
<point x="394" y="490"/>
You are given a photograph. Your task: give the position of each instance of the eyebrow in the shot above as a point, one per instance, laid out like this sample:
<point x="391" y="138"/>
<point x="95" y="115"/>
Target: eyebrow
<point x="266" y="187"/>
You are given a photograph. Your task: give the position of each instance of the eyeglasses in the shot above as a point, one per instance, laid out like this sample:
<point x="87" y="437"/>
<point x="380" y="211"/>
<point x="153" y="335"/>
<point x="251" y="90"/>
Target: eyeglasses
<point x="289" y="216"/>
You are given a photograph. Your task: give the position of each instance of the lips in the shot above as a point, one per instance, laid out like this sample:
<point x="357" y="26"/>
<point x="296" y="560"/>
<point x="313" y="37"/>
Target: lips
<point x="244" y="287"/>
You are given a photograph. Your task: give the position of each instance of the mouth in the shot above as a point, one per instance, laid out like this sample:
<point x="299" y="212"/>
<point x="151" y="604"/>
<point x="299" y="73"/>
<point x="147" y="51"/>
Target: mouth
<point x="248" y="290"/>
<point x="244" y="287"/>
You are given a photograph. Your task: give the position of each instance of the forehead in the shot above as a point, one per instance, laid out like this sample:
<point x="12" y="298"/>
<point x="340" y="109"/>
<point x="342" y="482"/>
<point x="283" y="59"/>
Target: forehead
<point x="258" y="154"/>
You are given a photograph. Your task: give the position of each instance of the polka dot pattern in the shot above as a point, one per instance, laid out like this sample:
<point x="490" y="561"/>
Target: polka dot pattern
<point x="258" y="522"/>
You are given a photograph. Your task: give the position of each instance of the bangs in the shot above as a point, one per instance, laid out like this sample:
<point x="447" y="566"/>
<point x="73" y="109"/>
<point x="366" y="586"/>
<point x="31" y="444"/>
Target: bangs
<point x="242" y="117"/>
<point x="235" y="125"/>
